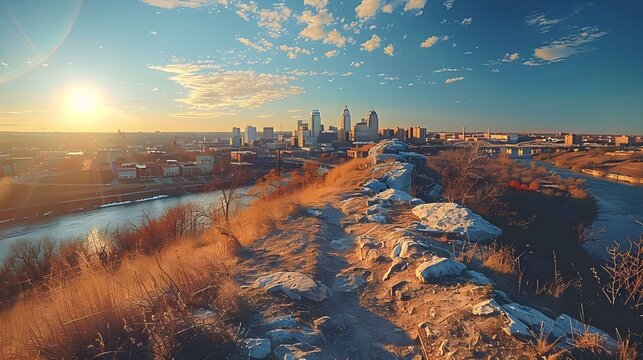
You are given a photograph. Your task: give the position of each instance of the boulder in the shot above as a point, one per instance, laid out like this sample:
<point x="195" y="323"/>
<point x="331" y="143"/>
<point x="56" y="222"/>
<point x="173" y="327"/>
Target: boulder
<point x="383" y="158"/>
<point x="298" y="351"/>
<point x="411" y="248"/>
<point x="413" y="157"/>
<point x="397" y="265"/>
<point x="391" y="146"/>
<point x="437" y="268"/>
<point x="377" y="218"/>
<point x="291" y="336"/>
<point x="486" y="307"/>
<point x="400" y="176"/>
<point x="392" y="197"/>
<point x="531" y="318"/>
<point x="280" y="322"/>
<point x="397" y="249"/>
<point x="479" y="279"/>
<point x="565" y="325"/>
<point x="257" y="348"/>
<point x="451" y="218"/>
<point x="375" y="185"/>
<point x="294" y="285"/>
<point x="327" y="327"/>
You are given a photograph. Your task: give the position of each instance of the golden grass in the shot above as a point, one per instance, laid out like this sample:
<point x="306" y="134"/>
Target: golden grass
<point x="147" y="303"/>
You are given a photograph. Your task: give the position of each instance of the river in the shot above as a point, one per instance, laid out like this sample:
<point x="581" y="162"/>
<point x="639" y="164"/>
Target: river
<point x="79" y="225"/>
<point x="619" y="205"/>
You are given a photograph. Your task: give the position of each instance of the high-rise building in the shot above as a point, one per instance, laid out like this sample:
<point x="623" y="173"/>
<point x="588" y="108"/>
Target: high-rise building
<point x="268" y="134"/>
<point x="304" y="135"/>
<point x="361" y="132"/>
<point x="373" y="122"/>
<point x="400" y="133"/>
<point x="315" y="124"/>
<point x="572" y="139"/>
<point x="344" y="125"/>
<point x="417" y="135"/>
<point x="235" y="140"/>
<point x="250" y="134"/>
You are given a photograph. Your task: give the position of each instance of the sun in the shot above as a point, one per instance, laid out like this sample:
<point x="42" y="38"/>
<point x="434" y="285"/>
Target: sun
<point x="83" y="101"/>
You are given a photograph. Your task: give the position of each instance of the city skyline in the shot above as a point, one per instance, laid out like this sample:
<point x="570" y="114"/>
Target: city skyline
<point x="209" y="65"/>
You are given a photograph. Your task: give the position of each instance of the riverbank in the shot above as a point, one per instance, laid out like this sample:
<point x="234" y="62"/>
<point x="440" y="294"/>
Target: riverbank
<point x="623" y="166"/>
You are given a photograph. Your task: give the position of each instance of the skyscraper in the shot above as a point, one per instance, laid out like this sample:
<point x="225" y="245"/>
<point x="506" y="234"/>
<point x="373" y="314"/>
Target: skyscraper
<point x="235" y="140"/>
<point x="250" y="134"/>
<point x="344" y="125"/>
<point x="361" y="132"/>
<point x="373" y="122"/>
<point x="315" y="124"/>
<point x="268" y="134"/>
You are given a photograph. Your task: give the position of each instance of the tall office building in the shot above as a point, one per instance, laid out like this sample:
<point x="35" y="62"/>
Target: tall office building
<point x="268" y="134"/>
<point x="373" y="123"/>
<point x="344" y="125"/>
<point x="315" y="124"/>
<point x="361" y="132"/>
<point x="250" y="134"/>
<point x="304" y="135"/>
<point x="235" y="140"/>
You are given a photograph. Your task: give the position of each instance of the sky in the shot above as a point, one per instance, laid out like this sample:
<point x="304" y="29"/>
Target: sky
<point x="208" y="65"/>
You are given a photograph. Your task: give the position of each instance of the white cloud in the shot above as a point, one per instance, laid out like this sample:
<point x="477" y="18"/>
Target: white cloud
<point x="330" y="54"/>
<point x="272" y="19"/>
<point x="368" y="8"/>
<point x="210" y="88"/>
<point x="495" y="70"/>
<point x="245" y="9"/>
<point x="452" y="80"/>
<point x="565" y="47"/>
<point x="388" y="9"/>
<point x="511" y="57"/>
<point x="430" y="41"/>
<point x="414" y="5"/>
<point x="389" y="50"/>
<point x="315" y="24"/>
<point x="466" y="21"/>
<point x="294" y="51"/>
<point x="171" y="4"/>
<point x="371" y="44"/>
<point x="350" y="73"/>
<point x="542" y="23"/>
<point x="335" y="37"/>
<point x="320" y="4"/>
<point x="449" y="4"/>
<point x="357" y="63"/>
<point x="153" y="33"/>
<point x="260" y="46"/>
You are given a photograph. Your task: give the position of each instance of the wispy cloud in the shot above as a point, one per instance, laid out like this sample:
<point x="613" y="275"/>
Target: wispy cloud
<point x="452" y="80"/>
<point x="273" y="19"/>
<point x="330" y="54"/>
<point x="210" y="88"/>
<point x="415" y="5"/>
<point x="432" y="40"/>
<point x="511" y="57"/>
<point x="171" y="4"/>
<point x="449" y="4"/>
<point x="261" y="46"/>
<point x="466" y="21"/>
<point x="541" y="22"/>
<point x="565" y="47"/>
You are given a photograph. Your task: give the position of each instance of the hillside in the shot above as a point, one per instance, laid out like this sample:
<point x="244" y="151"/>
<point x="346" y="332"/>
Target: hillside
<point x="351" y="267"/>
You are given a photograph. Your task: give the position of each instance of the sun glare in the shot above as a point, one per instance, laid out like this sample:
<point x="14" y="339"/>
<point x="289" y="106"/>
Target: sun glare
<point x="83" y="101"/>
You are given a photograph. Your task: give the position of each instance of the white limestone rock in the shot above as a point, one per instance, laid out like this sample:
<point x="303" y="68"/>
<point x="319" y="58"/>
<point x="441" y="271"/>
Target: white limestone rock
<point x="487" y="307"/>
<point x="294" y="285"/>
<point x="351" y="206"/>
<point x="377" y="218"/>
<point x="280" y="322"/>
<point x="417" y="159"/>
<point x="257" y="348"/>
<point x="390" y="146"/>
<point x="291" y="336"/>
<point x="532" y="318"/>
<point x="400" y="176"/>
<point x="382" y="158"/>
<point x="437" y="268"/>
<point x="375" y="185"/>
<point x="397" y="265"/>
<point x="565" y="325"/>
<point x="299" y="351"/>
<point x="451" y="218"/>
<point x="479" y="279"/>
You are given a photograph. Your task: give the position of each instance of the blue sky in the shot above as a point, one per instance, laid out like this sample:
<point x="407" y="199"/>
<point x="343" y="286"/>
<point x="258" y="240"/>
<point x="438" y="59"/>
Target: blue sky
<point x="208" y="65"/>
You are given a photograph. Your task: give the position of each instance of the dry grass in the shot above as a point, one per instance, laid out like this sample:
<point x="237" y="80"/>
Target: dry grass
<point x="156" y="297"/>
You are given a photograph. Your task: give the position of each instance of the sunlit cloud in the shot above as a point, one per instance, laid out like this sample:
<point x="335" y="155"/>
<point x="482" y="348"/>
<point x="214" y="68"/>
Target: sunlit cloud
<point x="389" y="50"/>
<point x="367" y="8"/>
<point x="430" y="41"/>
<point x="511" y="57"/>
<point x="454" y="79"/>
<point x="371" y="44"/>
<point x="273" y="19"/>
<point x="261" y="46"/>
<point x="542" y="23"/>
<point x="466" y="21"/>
<point x="330" y="54"/>
<point x="565" y="47"/>
<point x="320" y="4"/>
<point x="334" y="37"/>
<point x="414" y="5"/>
<point x="315" y="24"/>
<point x="171" y="4"/>
<point x="211" y="88"/>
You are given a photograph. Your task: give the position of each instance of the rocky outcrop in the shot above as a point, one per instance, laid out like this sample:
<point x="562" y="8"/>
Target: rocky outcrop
<point x="392" y="146"/>
<point x="399" y="177"/>
<point x="375" y="186"/>
<point x="453" y="219"/>
<point x="257" y="348"/>
<point x="295" y="285"/>
<point x="437" y="268"/>
<point x="392" y="197"/>
<point x="298" y="351"/>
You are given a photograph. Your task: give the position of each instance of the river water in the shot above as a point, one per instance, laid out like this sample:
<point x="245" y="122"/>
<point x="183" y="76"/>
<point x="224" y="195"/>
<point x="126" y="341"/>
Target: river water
<point x="79" y="225"/>
<point x="619" y="204"/>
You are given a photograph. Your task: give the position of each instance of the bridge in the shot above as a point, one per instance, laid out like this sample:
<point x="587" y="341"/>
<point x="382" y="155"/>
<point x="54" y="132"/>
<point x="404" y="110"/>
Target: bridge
<point x="536" y="144"/>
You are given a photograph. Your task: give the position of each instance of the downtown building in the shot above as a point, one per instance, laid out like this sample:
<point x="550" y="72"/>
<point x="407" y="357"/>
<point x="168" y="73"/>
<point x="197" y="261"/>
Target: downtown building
<point x="344" y="125"/>
<point x="373" y="123"/>
<point x="315" y="125"/>
<point x="235" y="139"/>
<point x="250" y="135"/>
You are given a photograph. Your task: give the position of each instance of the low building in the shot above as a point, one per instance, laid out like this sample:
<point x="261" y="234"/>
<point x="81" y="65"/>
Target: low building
<point x="573" y="139"/>
<point x="624" y="140"/>
<point x="243" y="156"/>
<point x="171" y="168"/>
<point x="127" y="172"/>
<point x="188" y="169"/>
<point x="359" y="152"/>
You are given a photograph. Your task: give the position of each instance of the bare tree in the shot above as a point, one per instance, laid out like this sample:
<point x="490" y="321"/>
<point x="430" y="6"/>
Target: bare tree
<point x="229" y="179"/>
